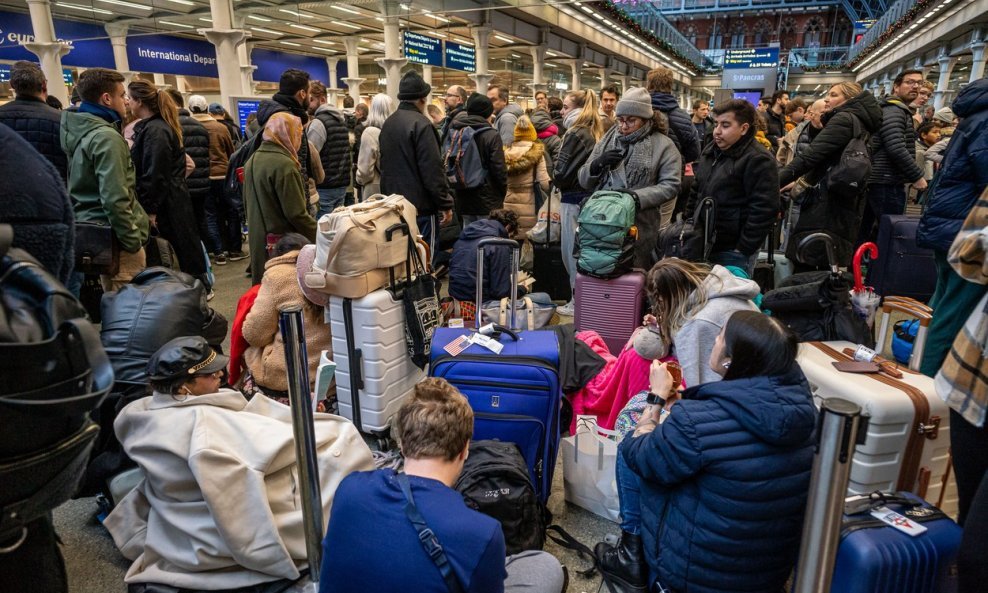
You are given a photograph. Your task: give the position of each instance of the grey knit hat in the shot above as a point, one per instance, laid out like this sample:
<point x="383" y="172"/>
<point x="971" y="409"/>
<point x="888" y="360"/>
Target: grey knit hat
<point x="635" y="102"/>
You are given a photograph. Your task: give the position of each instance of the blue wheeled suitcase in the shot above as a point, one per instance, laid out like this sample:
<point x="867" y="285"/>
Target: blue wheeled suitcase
<point x="515" y="395"/>
<point x="874" y="557"/>
<point x="902" y="268"/>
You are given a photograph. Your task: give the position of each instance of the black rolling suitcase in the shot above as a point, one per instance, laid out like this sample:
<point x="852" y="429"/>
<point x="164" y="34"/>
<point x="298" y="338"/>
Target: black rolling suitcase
<point x="548" y="269"/>
<point x="902" y="268"/>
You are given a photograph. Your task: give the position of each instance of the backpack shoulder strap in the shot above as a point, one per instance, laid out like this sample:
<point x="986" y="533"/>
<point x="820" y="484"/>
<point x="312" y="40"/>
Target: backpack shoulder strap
<point x="430" y="543"/>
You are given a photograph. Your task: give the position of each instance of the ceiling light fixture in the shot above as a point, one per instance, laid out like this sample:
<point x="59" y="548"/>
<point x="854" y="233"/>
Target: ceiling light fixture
<point x="305" y="28"/>
<point x="290" y="43"/>
<point x="259" y="18"/>
<point x="127" y="4"/>
<point x="503" y="38"/>
<point x="184" y="26"/>
<point x="268" y="31"/>
<point x="298" y="14"/>
<point x="184" y="2"/>
<point x="80" y="7"/>
<point x="344" y="9"/>
<point x="348" y="26"/>
<point x="324" y="42"/>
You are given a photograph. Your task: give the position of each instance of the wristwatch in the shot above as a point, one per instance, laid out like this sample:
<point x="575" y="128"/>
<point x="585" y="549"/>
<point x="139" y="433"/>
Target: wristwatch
<point x="653" y="399"/>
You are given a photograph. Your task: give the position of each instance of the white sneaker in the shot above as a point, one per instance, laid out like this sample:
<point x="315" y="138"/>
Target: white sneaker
<point x="567" y="309"/>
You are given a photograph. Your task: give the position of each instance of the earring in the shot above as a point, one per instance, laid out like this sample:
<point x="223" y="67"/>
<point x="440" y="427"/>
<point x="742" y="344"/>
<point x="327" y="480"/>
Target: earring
<point x="727" y="364"/>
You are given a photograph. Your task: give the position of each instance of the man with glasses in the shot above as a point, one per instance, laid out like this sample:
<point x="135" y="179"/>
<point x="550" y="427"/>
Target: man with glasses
<point x="893" y="151"/>
<point x="456" y="101"/>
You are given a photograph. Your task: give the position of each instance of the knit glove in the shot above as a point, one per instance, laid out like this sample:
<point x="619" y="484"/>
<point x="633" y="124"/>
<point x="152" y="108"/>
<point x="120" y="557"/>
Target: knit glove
<point x="606" y="160"/>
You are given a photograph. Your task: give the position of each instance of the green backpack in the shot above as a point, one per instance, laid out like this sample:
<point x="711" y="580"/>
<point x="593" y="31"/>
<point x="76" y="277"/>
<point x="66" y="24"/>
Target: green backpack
<point x="605" y="241"/>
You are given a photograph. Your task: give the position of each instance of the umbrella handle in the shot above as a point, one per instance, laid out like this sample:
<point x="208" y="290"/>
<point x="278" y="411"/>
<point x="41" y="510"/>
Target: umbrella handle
<point x="872" y="250"/>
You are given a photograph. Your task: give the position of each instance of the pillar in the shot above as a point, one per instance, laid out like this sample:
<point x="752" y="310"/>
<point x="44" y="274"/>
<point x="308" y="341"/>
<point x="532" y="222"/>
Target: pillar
<point x="118" y="41"/>
<point x="538" y="67"/>
<point x="977" y="60"/>
<point x="481" y="37"/>
<point x="244" y="51"/>
<point x="605" y="76"/>
<point x="159" y="82"/>
<point x="333" y="91"/>
<point x="427" y="74"/>
<point x="885" y="85"/>
<point x="353" y="79"/>
<point x="623" y="79"/>
<point x="393" y="60"/>
<point x="47" y="48"/>
<point x="947" y="64"/>
<point x="226" y="39"/>
<point x="574" y="65"/>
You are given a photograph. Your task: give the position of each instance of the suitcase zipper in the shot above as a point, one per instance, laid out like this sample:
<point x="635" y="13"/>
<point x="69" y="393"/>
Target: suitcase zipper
<point x="542" y="436"/>
<point x="507" y="359"/>
<point x="496" y="384"/>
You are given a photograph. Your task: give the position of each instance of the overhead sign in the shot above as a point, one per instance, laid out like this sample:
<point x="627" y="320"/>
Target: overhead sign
<point x="767" y="57"/>
<point x="461" y="57"/>
<point x="422" y="49"/>
<point x="244" y="108"/>
<point x="172" y="55"/>
<point x="16" y="29"/>
<point x="270" y="65"/>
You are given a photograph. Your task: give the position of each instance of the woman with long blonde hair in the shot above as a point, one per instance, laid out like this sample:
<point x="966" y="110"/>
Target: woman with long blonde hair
<point x="584" y="127"/>
<point x="159" y="162"/>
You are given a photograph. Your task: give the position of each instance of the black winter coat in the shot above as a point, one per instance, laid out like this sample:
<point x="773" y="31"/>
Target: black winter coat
<point x="159" y="163"/>
<point x="335" y="152"/>
<point x="195" y="138"/>
<point x="681" y="128"/>
<point x="34" y="201"/>
<point x="490" y="196"/>
<point x="744" y="182"/>
<point x="39" y="124"/>
<point x="577" y="145"/>
<point x="838" y="216"/>
<point x="776" y="127"/>
<point x="893" y="148"/>
<point x="411" y="163"/>
<point x="157" y="306"/>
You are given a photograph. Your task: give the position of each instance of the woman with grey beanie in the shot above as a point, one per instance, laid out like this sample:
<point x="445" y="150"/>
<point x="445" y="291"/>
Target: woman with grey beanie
<point x="636" y="157"/>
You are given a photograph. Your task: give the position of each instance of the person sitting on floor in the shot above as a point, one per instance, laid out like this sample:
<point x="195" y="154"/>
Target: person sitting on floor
<point x="501" y="223"/>
<point x="371" y="546"/>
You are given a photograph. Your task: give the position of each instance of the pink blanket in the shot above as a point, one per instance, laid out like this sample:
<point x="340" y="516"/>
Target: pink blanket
<point x="610" y="390"/>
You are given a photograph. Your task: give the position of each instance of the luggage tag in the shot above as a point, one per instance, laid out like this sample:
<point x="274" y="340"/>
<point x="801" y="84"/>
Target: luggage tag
<point x="458" y="345"/>
<point x="853" y="366"/>
<point x="900" y="522"/>
<point x="487" y="342"/>
<point x="456" y="323"/>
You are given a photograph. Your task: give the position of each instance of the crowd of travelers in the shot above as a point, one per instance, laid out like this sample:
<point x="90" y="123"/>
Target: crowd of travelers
<point x="151" y="169"/>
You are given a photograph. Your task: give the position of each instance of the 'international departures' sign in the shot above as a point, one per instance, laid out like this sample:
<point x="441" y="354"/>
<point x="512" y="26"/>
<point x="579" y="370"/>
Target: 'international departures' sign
<point x="171" y="55"/>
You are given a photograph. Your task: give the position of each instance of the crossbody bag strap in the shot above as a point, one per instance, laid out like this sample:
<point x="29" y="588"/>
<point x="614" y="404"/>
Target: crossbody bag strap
<point x="430" y="543"/>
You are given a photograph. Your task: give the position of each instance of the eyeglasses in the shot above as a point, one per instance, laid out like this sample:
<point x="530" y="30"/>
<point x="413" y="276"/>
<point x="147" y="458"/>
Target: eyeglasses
<point x="912" y="82"/>
<point x="628" y="121"/>
<point x="452" y="95"/>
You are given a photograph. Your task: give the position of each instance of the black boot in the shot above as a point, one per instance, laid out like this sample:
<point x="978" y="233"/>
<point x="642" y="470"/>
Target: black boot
<point x="623" y="565"/>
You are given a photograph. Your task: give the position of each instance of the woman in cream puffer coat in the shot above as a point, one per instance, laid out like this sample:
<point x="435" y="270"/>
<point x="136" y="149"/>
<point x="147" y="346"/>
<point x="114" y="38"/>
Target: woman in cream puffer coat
<point x="525" y="162"/>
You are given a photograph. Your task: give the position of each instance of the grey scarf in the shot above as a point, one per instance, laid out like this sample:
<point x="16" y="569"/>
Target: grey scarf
<point x="636" y="168"/>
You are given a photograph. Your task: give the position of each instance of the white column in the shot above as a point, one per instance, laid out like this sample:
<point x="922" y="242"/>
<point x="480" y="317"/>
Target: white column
<point x="427" y="74"/>
<point x="623" y="79"/>
<point x="118" y="41"/>
<point x="575" y="64"/>
<point x="538" y="65"/>
<point x="946" y="66"/>
<point x="481" y="36"/>
<point x="605" y="76"/>
<point x="977" y="61"/>
<point x="47" y="48"/>
<point x="333" y="91"/>
<point x="227" y="40"/>
<point x="353" y="79"/>
<point x="393" y="60"/>
<point x="159" y="82"/>
<point x="244" y="51"/>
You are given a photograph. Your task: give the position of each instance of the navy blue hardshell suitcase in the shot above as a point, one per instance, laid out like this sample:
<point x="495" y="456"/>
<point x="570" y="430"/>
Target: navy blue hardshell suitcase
<point x="515" y="395"/>
<point x="902" y="268"/>
<point x="876" y="558"/>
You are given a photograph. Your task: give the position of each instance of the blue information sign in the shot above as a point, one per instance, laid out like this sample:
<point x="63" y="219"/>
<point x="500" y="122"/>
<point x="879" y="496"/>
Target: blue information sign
<point x="270" y="65"/>
<point x="423" y="50"/>
<point x="766" y="57"/>
<point x="16" y="29"/>
<point x="171" y="55"/>
<point x="244" y="109"/>
<point x="461" y="57"/>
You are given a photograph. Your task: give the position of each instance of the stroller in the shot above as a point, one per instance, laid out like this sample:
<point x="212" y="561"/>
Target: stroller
<point x="817" y="305"/>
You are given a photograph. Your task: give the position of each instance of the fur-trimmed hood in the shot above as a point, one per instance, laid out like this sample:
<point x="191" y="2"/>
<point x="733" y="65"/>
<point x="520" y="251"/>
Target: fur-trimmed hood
<point x="523" y="156"/>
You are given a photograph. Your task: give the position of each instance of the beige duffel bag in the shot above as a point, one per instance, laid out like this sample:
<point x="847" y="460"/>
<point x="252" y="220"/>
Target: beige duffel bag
<point x="353" y="250"/>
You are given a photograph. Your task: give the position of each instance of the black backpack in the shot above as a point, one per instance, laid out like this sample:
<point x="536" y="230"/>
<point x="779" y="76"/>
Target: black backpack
<point x="848" y="176"/>
<point x="495" y="481"/>
<point x="54" y="373"/>
<point x="238" y="160"/>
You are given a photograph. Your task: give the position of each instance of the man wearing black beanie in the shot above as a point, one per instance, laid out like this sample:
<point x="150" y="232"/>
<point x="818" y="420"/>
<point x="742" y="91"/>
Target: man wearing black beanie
<point x="411" y="163"/>
<point x="475" y="203"/>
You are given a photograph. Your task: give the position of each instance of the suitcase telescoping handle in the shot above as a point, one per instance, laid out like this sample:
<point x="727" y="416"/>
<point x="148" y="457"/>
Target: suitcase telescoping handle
<point x="388" y="234"/>
<point x="915" y="310"/>
<point x="515" y="257"/>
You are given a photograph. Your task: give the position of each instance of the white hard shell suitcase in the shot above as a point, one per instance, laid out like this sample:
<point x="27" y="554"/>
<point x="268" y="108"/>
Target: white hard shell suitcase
<point x="907" y="446"/>
<point x="374" y="372"/>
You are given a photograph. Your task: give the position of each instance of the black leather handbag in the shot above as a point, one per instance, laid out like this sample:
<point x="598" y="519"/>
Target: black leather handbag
<point x="689" y="238"/>
<point x="97" y="250"/>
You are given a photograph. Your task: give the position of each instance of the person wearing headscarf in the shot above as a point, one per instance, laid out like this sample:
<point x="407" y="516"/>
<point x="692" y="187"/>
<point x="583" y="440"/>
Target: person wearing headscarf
<point x="274" y="193"/>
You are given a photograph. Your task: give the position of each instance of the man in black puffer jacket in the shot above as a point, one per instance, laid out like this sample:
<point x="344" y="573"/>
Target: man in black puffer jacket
<point x="31" y="117"/>
<point x="893" y="151"/>
<point x="681" y="129"/>
<point x="743" y="179"/>
<point x="837" y="215"/>
<point x="195" y="139"/>
<point x="329" y="135"/>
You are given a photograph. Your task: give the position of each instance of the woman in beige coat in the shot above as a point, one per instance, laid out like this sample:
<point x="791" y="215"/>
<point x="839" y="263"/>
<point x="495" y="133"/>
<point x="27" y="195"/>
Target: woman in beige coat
<point x="265" y="357"/>
<point x="219" y="506"/>
<point x="525" y="161"/>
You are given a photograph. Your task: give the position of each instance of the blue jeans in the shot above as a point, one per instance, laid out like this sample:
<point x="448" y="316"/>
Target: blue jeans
<point x="223" y="215"/>
<point x="629" y="496"/>
<point x="883" y="198"/>
<point x="329" y="199"/>
<point x="429" y="228"/>
<point x="736" y="259"/>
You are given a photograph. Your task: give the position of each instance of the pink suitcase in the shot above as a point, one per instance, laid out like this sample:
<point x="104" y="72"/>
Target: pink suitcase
<point x="612" y="308"/>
